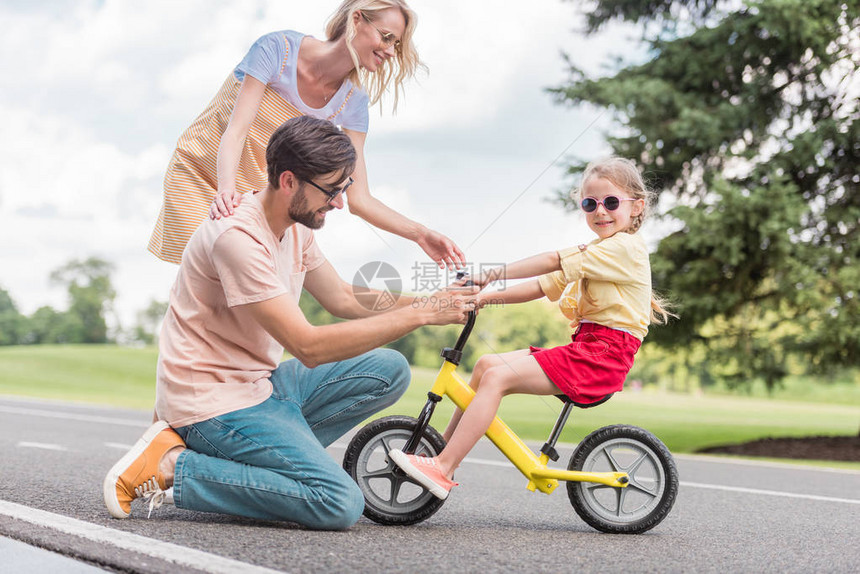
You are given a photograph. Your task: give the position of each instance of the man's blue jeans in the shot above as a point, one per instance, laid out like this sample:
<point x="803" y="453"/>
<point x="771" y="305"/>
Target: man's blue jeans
<point x="269" y="461"/>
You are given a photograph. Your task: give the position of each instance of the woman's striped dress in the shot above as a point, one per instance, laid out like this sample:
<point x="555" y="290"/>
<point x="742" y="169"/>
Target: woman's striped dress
<point x="190" y="183"/>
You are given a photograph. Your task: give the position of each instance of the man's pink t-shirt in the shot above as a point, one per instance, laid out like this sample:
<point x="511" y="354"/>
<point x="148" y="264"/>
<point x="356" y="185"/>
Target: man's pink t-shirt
<point x="214" y="358"/>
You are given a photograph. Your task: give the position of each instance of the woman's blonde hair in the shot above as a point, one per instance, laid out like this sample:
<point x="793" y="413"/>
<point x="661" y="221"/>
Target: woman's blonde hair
<point x="623" y="174"/>
<point x="394" y="70"/>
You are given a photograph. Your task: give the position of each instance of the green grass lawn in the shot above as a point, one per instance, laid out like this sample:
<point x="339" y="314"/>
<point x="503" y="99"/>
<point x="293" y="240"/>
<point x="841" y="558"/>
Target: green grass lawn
<point x="107" y="374"/>
<point x="126" y="377"/>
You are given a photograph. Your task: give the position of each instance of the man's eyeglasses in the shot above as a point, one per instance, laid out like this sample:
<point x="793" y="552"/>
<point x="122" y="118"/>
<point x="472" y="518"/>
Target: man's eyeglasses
<point x="388" y="39"/>
<point x="332" y="194"/>
<point x="609" y="203"/>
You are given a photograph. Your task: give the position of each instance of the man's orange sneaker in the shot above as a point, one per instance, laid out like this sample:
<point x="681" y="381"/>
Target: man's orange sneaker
<point x="136" y="475"/>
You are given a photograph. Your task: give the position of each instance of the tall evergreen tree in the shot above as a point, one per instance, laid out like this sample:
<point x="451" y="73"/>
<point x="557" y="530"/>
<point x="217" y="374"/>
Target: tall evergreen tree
<point x="747" y="114"/>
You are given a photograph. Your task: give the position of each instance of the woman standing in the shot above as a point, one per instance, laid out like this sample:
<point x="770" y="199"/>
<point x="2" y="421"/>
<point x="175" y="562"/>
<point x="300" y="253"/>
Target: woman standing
<point x="286" y="74"/>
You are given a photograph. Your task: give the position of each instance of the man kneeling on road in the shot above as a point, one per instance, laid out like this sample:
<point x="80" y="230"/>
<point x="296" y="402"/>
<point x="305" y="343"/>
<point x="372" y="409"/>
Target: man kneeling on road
<point x="239" y="433"/>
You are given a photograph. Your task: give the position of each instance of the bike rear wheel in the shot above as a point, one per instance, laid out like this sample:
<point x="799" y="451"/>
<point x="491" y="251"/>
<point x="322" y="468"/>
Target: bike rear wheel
<point x="390" y="496"/>
<point x="647" y="498"/>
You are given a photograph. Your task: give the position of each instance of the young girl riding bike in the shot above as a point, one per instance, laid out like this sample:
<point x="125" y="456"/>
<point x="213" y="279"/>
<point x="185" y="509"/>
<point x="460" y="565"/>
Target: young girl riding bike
<point x="603" y="287"/>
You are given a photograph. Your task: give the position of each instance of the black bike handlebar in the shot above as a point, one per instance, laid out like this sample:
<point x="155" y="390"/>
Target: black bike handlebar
<point x="467" y="330"/>
<point x="454" y="355"/>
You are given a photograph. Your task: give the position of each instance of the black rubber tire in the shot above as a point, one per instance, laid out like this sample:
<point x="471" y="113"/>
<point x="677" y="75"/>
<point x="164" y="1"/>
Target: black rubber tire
<point x="649" y="496"/>
<point x="367" y="463"/>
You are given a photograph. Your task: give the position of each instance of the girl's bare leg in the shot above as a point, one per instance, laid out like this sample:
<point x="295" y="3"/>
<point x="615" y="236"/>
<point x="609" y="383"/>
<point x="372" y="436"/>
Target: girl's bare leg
<point x="484" y="363"/>
<point x="522" y="375"/>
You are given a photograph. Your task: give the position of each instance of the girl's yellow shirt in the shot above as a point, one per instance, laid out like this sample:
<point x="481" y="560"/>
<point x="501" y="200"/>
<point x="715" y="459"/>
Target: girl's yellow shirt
<point x="618" y="291"/>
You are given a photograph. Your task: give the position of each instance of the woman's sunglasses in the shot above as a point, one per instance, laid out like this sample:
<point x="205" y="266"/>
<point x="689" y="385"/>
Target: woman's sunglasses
<point x="609" y="203"/>
<point x="388" y="39"/>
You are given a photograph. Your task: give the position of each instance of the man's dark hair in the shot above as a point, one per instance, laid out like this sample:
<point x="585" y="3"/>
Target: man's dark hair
<point x="308" y="147"/>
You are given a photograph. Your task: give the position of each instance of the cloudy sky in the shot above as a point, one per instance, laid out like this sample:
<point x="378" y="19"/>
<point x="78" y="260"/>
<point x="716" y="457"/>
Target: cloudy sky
<point x="95" y="93"/>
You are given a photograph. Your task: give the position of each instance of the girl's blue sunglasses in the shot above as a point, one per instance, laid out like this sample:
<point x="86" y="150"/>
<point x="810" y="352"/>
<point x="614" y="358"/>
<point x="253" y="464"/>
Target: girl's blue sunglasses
<point x="609" y="203"/>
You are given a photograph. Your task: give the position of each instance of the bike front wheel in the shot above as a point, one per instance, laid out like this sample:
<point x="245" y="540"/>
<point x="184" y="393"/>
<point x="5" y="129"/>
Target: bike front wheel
<point x="390" y="496"/>
<point x="647" y="498"/>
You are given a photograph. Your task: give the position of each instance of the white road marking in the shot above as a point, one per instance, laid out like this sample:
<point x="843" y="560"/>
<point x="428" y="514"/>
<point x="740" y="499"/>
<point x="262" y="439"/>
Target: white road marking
<point x="42" y="445"/>
<point x="119" y="445"/>
<point x="771" y="492"/>
<point x="72" y="416"/>
<point x="764" y="463"/>
<point x="179" y="555"/>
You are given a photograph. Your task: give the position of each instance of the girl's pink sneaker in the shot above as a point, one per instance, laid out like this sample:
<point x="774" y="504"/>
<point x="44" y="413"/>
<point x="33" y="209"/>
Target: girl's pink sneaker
<point x="425" y="471"/>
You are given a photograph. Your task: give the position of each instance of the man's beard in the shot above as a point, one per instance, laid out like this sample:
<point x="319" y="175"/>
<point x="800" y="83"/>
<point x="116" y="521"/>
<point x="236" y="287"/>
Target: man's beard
<point x="300" y="213"/>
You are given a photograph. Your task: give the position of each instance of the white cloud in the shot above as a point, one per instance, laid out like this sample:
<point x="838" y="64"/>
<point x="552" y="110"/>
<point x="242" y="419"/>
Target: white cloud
<point x="68" y="195"/>
<point x="479" y="53"/>
<point x="57" y="161"/>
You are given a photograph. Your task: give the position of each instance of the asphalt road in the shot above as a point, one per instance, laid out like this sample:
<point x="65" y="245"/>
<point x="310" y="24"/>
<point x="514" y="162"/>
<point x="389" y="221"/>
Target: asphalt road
<point x="730" y="516"/>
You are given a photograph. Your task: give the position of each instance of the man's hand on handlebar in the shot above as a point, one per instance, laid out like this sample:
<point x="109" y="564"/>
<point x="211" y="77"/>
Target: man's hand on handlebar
<point x="448" y="306"/>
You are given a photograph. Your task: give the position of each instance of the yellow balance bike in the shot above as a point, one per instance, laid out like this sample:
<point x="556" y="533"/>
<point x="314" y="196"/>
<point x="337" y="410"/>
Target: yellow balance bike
<point x="620" y="479"/>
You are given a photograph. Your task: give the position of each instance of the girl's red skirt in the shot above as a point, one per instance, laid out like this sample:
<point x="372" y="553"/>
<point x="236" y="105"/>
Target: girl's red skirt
<point x="594" y="364"/>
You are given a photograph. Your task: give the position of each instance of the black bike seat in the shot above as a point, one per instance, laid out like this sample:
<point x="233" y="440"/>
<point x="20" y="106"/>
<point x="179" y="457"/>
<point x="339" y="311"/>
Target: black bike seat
<point x="600" y="401"/>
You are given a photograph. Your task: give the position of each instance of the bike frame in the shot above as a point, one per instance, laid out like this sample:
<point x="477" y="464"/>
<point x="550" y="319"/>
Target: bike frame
<point x="534" y="467"/>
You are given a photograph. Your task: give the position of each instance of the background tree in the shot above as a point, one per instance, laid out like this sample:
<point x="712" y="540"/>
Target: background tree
<point x="746" y="114"/>
<point x="47" y="326"/>
<point x="91" y="296"/>
<point x="149" y="322"/>
<point x="12" y="323"/>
